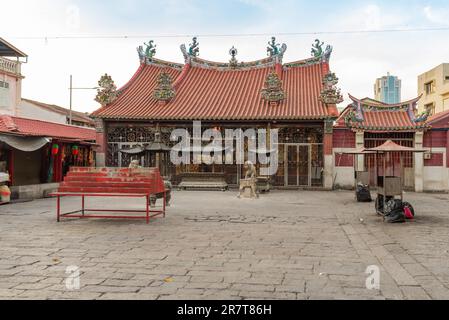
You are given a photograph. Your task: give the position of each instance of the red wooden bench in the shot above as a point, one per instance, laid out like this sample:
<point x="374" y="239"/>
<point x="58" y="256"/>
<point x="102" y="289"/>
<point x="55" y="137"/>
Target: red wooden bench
<point x="111" y="182"/>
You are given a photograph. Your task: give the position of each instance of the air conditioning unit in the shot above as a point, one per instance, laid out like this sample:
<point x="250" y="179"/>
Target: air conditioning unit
<point x="427" y="155"/>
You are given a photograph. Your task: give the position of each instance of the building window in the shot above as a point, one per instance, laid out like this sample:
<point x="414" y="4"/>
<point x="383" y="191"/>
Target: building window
<point x="429" y="87"/>
<point x="430" y="108"/>
<point x="4" y="94"/>
<point x="446" y="78"/>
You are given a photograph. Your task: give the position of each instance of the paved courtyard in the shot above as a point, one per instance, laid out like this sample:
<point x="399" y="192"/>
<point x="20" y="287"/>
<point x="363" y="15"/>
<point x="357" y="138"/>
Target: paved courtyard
<point x="211" y="245"/>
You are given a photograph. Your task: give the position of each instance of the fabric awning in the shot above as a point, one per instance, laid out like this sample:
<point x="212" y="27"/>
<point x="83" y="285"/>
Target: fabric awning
<point x="27" y="144"/>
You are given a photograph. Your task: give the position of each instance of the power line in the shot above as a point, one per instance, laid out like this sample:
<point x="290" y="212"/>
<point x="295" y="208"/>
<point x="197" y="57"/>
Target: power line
<point x="228" y="35"/>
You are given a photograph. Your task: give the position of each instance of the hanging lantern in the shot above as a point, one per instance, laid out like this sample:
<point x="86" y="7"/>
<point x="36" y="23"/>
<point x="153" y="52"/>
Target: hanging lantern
<point x="75" y="150"/>
<point x="55" y="149"/>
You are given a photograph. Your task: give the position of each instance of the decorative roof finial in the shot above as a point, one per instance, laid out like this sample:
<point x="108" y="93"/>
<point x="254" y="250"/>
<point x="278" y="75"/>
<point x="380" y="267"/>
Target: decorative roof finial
<point x="273" y="47"/>
<point x="194" y="49"/>
<point x="330" y="93"/>
<point x="317" y="51"/>
<point x="107" y="91"/>
<point x="272" y="90"/>
<point x="149" y="52"/>
<point x="233" y="52"/>
<point x="164" y="90"/>
<point x="276" y="50"/>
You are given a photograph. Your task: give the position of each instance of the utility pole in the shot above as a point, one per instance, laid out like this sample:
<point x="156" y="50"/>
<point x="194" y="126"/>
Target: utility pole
<point x="70" y="113"/>
<point x="71" y="88"/>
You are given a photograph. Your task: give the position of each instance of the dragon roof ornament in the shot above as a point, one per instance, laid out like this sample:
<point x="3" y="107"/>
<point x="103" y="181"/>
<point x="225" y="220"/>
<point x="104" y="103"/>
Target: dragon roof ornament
<point x="149" y="52"/>
<point x="318" y="52"/>
<point x="193" y="50"/>
<point x="276" y="50"/>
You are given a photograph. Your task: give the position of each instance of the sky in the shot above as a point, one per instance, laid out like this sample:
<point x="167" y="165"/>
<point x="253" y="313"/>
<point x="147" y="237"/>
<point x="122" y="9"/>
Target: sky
<point x="89" y="38"/>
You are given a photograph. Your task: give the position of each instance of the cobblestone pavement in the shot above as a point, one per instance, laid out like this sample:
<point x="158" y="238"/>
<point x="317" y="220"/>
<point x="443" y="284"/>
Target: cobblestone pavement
<point x="211" y="245"/>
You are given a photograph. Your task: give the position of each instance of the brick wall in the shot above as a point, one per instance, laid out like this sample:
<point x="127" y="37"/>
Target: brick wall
<point x="343" y="138"/>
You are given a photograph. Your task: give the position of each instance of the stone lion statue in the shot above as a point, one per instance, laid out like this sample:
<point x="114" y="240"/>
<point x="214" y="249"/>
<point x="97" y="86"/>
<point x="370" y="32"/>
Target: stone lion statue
<point x="134" y="164"/>
<point x="249" y="181"/>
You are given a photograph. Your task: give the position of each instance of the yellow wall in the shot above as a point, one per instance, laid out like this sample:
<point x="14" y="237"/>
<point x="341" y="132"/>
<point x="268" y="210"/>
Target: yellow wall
<point x="440" y="96"/>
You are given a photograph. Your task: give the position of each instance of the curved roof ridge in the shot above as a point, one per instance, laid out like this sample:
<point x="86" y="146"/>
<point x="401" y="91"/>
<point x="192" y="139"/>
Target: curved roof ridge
<point x="385" y="105"/>
<point x="164" y="63"/>
<point x="260" y="63"/>
<point x="304" y="62"/>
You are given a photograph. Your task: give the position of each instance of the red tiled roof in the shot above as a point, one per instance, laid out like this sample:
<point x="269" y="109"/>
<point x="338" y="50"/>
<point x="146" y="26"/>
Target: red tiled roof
<point x="380" y="117"/>
<point x="439" y="120"/>
<point x="30" y="127"/>
<point x="211" y="93"/>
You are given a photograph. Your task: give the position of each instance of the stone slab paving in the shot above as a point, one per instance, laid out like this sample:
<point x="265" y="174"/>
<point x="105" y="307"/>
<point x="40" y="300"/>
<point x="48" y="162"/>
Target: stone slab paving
<point x="211" y="245"/>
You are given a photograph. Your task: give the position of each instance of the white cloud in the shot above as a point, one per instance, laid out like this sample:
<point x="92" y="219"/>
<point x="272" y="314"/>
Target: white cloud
<point x="440" y="16"/>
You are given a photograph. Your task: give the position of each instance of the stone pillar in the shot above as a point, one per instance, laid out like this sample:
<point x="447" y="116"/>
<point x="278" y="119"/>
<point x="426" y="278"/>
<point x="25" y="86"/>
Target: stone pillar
<point x="100" y="159"/>
<point x="419" y="162"/>
<point x="359" y="144"/>
<point x="328" y="155"/>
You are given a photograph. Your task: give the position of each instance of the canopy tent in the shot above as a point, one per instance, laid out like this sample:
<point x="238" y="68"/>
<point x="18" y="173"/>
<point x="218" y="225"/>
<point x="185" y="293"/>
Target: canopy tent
<point x="390" y="146"/>
<point x="27" y="144"/>
<point x="389" y="185"/>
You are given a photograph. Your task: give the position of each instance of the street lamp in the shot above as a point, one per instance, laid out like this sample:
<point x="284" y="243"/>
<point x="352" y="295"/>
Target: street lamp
<point x="71" y="89"/>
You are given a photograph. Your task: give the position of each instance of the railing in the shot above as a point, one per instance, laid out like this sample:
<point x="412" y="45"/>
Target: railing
<point x="9" y="66"/>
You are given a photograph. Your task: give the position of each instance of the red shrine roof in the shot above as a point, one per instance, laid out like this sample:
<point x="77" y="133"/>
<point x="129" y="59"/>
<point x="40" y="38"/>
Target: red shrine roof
<point x="374" y="116"/>
<point x="439" y="120"/>
<point x="208" y="90"/>
<point x="37" y="128"/>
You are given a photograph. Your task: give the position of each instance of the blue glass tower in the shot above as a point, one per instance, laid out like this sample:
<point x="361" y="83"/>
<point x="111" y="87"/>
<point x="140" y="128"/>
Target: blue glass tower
<point x="388" y="89"/>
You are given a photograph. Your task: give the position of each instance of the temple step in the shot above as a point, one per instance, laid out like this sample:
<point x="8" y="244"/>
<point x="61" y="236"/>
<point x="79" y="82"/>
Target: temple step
<point x="103" y="189"/>
<point x="131" y="184"/>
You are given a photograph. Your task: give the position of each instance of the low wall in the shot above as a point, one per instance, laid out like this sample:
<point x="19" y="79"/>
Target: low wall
<point x="436" y="179"/>
<point x="343" y="178"/>
<point x="34" y="191"/>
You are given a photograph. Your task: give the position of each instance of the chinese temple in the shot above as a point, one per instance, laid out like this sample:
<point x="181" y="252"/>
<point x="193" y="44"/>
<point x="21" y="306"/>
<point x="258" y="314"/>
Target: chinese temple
<point x="298" y="98"/>
<point x="367" y="123"/>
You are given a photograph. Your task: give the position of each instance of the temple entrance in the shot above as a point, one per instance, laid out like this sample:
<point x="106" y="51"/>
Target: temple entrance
<point x="405" y="139"/>
<point x="297" y="167"/>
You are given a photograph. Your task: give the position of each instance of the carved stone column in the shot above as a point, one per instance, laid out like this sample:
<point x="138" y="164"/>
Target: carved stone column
<point x="100" y="159"/>
<point x="419" y="162"/>
<point x="359" y="144"/>
<point x="328" y="154"/>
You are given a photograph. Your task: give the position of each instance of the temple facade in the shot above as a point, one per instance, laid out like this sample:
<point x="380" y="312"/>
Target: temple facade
<point x="297" y="98"/>
<point x="368" y="123"/>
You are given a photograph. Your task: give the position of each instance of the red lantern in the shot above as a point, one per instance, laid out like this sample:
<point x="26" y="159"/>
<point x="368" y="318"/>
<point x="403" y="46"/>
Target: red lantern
<point x="55" y="149"/>
<point x="75" y="150"/>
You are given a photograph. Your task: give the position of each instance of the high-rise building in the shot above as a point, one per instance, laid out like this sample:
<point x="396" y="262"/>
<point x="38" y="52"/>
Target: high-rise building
<point x="434" y="87"/>
<point x="388" y="89"/>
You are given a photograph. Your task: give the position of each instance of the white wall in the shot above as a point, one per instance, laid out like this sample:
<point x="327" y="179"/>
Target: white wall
<point x="436" y="178"/>
<point x="344" y="177"/>
<point x="31" y="111"/>
<point x="10" y="95"/>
